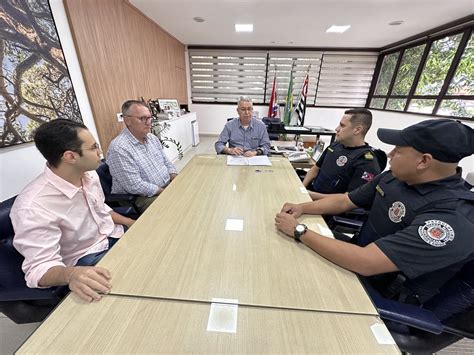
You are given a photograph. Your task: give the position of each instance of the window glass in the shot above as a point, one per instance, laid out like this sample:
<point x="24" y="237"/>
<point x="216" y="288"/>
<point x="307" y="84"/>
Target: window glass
<point x="386" y="73"/>
<point x="422" y="105"/>
<point x="396" y="104"/>
<point x="377" y="103"/>
<point x="463" y="80"/>
<point x="437" y="65"/>
<point x="407" y="70"/>
<point x="457" y="108"/>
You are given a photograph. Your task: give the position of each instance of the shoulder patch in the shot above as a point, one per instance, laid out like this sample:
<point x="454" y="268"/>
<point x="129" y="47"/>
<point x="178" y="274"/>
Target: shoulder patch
<point x="436" y="233"/>
<point x="369" y="156"/>
<point x="367" y="176"/>
<point x="341" y="161"/>
<point x="397" y="211"/>
<point x="379" y="190"/>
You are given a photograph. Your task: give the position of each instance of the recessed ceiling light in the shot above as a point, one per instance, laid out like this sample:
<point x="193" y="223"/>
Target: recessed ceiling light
<point x="291" y="42"/>
<point x="338" y="29"/>
<point x="198" y="19"/>
<point x="244" y="27"/>
<point x="272" y="42"/>
<point x="396" y="23"/>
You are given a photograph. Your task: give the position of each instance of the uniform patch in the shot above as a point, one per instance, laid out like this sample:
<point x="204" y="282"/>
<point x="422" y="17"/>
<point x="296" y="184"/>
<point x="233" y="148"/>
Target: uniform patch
<point x="380" y="191"/>
<point x="436" y="233"/>
<point x="369" y="156"/>
<point x="367" y="176"/>
<point x="396" y="212"/>
<point x="341" y="161"/>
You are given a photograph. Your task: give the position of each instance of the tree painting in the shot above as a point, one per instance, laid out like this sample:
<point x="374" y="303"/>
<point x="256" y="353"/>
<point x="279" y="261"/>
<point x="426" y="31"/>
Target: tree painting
<point x="34" y="82"/>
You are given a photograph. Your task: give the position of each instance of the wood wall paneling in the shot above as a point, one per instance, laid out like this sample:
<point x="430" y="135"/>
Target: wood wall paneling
<point x="123" y="55"/>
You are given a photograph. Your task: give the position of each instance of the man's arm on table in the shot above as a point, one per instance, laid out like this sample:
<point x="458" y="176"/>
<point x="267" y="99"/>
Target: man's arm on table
<point x="366" y="261"/>
<point x="85" y="281"/>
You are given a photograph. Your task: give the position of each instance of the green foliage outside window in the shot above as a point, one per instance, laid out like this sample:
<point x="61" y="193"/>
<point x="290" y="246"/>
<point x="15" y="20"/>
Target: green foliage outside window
<point x="386" y="73"/>
<point x="407" y="71"/>
<point x="437" y="65"/>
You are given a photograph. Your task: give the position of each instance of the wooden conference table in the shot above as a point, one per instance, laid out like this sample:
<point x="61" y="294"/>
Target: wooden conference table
<point x="211" y="235"/>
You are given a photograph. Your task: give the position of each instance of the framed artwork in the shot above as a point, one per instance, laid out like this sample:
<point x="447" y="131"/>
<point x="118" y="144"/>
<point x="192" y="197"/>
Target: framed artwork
<point x="35" y="86"/>
<point x="169" y="106"/>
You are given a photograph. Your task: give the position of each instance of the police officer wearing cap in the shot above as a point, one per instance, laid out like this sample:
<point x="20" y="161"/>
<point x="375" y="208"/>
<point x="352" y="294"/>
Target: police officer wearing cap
<point x="419" y="232"/>
<point x="347" y="163"/>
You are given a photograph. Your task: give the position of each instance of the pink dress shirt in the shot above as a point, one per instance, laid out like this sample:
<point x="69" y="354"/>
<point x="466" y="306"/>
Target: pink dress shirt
<point x="57" y="223"/>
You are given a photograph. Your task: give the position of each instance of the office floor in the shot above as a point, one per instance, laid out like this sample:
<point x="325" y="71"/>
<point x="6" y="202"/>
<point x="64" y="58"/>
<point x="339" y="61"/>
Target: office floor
<point x="13" y="335"/>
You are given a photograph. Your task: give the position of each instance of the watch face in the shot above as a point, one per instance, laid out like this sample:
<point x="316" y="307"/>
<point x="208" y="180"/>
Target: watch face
<point x="300" y="228"/>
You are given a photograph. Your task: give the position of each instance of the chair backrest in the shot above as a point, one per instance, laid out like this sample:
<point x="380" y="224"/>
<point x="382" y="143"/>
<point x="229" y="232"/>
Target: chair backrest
<point x="455" y="298"/>
<point x="105" y="177"/>
<point x="381" y="157"/>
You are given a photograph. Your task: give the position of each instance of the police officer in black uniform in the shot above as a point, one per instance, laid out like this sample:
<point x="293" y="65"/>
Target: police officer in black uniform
<point x="420" y="230"/>
<point x="347" y="163"/>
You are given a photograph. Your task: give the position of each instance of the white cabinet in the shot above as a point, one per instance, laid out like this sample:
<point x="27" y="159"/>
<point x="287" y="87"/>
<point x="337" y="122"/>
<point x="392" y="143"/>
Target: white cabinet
<point x="181" y="131"/>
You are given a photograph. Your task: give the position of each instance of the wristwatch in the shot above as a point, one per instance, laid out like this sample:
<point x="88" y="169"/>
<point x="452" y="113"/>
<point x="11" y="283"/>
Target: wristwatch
<point x="259" y="151"/>
<point x="300" y="229"/>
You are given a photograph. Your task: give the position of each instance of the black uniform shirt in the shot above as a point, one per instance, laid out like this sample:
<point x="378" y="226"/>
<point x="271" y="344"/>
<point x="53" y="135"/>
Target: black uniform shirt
<point x="344" y="169"/>
<point x="426" y="230"/>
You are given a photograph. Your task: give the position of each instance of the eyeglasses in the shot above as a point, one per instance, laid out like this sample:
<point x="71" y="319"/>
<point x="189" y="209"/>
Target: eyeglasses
<point x="144" y="119"/>
<point x="246" y="109"/>
<point x="96" y="146"/>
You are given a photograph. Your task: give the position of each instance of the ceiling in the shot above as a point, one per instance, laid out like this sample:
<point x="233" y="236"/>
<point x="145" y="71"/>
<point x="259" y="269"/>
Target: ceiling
<point x="301" y="23"/>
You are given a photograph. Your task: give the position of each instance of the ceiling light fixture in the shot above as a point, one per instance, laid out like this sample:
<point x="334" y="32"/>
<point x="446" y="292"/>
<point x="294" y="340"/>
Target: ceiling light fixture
<point x="244" y="27"/>
<point x="396" y="23"/>
<point x="198" y="19"/>
<point x="338" y="29"/>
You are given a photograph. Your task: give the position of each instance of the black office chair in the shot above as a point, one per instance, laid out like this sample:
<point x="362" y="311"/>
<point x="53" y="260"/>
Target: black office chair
<point x="271" y="122"/>
<point x="17" y="301"/>
<point x="117" y="201"/>
<point x="440" y="322"/>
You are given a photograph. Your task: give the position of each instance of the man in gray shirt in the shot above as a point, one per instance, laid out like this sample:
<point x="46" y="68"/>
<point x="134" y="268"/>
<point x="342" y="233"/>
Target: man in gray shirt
<point x="246" y="136"/>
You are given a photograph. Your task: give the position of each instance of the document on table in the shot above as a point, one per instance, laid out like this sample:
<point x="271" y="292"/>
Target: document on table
<point x="240" y="160"/>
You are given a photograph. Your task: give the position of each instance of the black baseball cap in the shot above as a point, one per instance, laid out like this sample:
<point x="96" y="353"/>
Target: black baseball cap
<point x="446" y="140"/>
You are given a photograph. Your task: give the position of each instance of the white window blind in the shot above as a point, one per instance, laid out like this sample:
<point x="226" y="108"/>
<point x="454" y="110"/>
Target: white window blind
<point x="224" y="76"/>
<point x="339" y="79"/>
<point x="345" y="78"/>
<point x="282" y="61"/>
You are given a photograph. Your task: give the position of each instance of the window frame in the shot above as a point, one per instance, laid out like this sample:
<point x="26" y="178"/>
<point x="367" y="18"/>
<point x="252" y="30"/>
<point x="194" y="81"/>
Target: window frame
<point x="466" y="30"/>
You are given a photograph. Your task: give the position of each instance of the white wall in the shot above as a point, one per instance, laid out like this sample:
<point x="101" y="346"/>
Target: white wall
<point x="211" y="119"/>
<point x="22" y="163"/>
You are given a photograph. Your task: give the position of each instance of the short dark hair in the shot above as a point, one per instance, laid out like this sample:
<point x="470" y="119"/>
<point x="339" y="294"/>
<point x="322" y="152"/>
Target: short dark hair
<point x="55" y="137"/>
<point x="129" y="103"/>
<point x="360" y="116"/>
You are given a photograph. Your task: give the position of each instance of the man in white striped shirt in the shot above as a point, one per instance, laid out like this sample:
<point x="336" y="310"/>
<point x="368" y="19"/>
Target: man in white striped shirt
<point x="137" y="162"/>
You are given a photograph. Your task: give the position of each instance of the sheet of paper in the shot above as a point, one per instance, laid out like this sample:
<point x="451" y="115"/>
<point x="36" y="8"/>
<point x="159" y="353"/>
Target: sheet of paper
<point x="261" y="160"/>
<point x="237" y="160"/>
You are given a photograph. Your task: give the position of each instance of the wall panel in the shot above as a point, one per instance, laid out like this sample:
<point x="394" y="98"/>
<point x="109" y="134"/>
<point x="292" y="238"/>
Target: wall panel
<point x="123" y="55"/>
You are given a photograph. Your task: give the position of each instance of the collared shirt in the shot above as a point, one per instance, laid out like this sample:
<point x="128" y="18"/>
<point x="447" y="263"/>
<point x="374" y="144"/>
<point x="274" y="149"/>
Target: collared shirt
<point x="424" y="229"/>
<point x="56" y="223"/>
<point x="255" y="136"/>
<point x="138" y="168"/>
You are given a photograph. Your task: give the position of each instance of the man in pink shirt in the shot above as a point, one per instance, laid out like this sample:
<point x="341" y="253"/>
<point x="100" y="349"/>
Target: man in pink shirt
<point x="60" y="219"/>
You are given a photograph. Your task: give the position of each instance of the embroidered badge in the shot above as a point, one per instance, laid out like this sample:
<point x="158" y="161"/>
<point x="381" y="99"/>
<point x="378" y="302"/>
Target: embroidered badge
<point x="396" y="212"/>
<point x="368" y="156"/>
<point x="436" y="233"/>
<point x="367" y="176"/>
<point x="341" y="161"/>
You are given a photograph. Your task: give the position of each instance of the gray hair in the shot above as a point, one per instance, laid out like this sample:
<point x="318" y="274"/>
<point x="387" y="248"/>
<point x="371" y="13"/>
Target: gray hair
<point x="126" y="106"/>
<point x="244" y="99"/>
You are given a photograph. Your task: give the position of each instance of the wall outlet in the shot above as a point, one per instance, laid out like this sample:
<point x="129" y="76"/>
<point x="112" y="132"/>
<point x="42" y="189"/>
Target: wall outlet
<point x="119" y="117"/>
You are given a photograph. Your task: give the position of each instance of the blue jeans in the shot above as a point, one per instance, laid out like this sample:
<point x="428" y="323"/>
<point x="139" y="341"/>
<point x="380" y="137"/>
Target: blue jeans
<point x="92" y="259"/>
